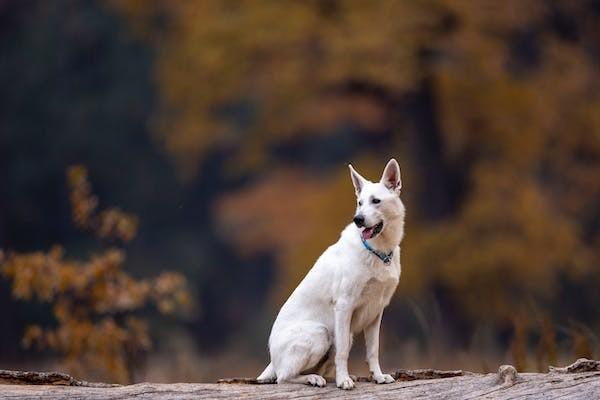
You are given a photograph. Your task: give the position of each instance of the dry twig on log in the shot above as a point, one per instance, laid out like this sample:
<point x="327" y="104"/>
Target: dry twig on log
<point x="45" y="378"/>
<point x="581" y="365"/>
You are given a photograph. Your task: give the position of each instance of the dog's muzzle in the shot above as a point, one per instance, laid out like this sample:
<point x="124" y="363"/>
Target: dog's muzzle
<point x="359" y="220"/>
<point x="372" y="231"/>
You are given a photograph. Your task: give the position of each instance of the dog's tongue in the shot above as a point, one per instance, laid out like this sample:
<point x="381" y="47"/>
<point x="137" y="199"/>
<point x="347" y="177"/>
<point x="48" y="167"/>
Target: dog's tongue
<point x="367" y="233"/>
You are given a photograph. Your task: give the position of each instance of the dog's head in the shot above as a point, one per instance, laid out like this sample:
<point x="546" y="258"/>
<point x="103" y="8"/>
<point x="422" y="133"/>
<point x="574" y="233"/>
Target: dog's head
<point x="378" y="203"/>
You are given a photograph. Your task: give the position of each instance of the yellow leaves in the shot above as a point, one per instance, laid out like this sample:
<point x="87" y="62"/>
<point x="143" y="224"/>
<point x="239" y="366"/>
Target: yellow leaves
<point x="33" y="334"/>
<point x="514" y="114"/>
<point x="109" y="224"/>
<point x="169" y="292"/>
<point x="83" y="203"/>
<point x="33" y="273"/>
<point x="293" y="213"/>
<point x="101" y="346"/>
<point x="507" y="243"/>
<point x="92" y="301"/>
<point x="282" y="57"/>
<point x="116" y="223"/>
<point x="137" y="331"/>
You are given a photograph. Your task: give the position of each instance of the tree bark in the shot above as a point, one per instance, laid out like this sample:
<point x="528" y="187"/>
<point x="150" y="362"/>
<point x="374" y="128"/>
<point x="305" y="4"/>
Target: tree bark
<point x="580" y="380"/>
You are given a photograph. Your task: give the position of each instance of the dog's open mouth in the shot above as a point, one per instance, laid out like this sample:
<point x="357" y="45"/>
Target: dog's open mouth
<point x="372" y="231"/>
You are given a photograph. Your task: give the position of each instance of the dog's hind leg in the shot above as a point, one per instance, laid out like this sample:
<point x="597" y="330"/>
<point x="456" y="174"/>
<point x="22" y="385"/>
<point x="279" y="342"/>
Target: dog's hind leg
<point x="326" y="367"/>
<point x="298" y="349"/>
<point x="268" y="375"/>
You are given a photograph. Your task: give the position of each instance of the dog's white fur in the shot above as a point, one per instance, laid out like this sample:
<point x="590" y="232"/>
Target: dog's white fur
<point x="344" y="293"/>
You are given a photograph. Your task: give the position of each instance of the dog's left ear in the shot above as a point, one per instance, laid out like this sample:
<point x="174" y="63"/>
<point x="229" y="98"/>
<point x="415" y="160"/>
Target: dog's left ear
<point x="391" y="176"/>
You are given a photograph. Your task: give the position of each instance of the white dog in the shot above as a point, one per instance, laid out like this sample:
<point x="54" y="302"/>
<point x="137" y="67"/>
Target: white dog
<point x="345" y="292"/>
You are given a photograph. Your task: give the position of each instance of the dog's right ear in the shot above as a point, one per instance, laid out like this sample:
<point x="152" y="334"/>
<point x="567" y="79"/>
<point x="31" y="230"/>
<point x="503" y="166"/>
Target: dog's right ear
<point x="391" y="176"/>
<point x="357" y="180"/>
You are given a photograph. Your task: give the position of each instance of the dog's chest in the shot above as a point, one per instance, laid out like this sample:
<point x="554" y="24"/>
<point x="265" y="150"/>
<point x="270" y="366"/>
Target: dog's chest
<point x="375" y="296"/>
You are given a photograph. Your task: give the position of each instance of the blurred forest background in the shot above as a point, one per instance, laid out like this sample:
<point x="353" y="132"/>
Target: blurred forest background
<point x="226" y="127"/>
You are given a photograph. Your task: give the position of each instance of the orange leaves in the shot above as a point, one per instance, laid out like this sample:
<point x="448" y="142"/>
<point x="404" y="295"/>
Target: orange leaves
<point x="281" y="58"/>
<point x="506" y="244"/>
<point x="109" y="224"/>
<point x="83" y="203"/>
<point x="116" y="223"/>
<point x="93" y="300"/>
<point x="513" y="122"/>
<point x="293" y="214"/>
<point x="169" y="292"/>
<point x="33" y="273"/>
<point x="94" y="347"/>
<point x="33" y="334"/>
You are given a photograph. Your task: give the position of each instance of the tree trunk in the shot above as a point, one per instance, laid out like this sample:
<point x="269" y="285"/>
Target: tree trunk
<point x="580" y="380"/>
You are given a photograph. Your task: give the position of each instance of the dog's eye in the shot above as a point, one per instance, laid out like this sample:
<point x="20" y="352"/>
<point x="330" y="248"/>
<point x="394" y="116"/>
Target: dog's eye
<point x="360" y="203"/>
<point x="375" y="201"/>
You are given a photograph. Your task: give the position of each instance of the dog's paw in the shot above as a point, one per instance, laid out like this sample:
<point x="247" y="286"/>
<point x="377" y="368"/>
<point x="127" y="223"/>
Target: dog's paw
<point x="383" y="378"/>
<point x="316" y="380"/>
<point x="345" y="383"/>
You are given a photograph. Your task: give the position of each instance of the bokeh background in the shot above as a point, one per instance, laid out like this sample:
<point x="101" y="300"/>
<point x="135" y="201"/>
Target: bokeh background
<point x="226" y="127"/>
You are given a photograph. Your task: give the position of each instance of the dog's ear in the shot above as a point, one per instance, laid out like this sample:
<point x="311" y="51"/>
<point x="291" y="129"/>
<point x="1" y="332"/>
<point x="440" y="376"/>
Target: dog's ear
<point x="391" y="176"/>
<point x="357" y="180"/>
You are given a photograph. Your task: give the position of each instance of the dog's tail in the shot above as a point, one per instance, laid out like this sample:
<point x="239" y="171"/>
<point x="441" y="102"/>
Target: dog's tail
<point x="268" y="375"/>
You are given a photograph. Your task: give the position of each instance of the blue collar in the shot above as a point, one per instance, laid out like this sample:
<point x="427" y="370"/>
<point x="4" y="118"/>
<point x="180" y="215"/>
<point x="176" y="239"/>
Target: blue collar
<point x="386" y="258"/>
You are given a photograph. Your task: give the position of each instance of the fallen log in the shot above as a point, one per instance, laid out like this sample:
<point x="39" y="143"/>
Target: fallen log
<point x="399" y="375"/>
<point x="580" y="380"/>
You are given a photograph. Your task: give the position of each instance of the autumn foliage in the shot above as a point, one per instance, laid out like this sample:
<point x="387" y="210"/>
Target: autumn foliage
<point x="93" y="301"/>
<point x="491" y="108"/>
<point x="230" y="123"/>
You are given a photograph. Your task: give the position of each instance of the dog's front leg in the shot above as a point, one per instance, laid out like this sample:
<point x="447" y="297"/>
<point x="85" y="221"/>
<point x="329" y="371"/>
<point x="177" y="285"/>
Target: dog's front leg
<point x="343" y="316"/>
<point x="372" y="347"/>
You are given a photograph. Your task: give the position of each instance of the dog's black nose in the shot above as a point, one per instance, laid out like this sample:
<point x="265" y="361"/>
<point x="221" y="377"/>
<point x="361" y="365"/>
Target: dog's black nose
<point x="359" y="220"/>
